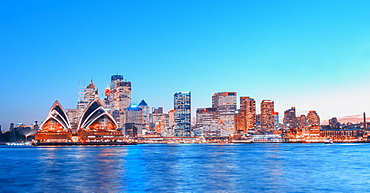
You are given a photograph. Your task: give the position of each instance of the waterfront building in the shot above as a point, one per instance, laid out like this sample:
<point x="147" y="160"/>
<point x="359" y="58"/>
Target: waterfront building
<point x="276" y="119"/>
<point x="145" y="114"/>
<point x="267" y="115"/>
<point x="225" y="103"/>
<point x="258" y="121"/>
<point x="313" y="118"/>
<point x="182" y="114"/>
<point x="118" y="97"/>
<point x="333" y="123"/>
<point x="134" y="119"/>
<point x="290" y="119"/>
<point x="246" y="117"/>
<point x="165" y="129"/>
<point x="171" y="123"/>
<point x="302" y="122"/>
<point x="156" y="120"/>
<point x="85" y="97"/>
<point x="56" y="127"/>
<point x="156" y="116"/>
<point x="97" y="125"/>
<point x="208" y="122"/>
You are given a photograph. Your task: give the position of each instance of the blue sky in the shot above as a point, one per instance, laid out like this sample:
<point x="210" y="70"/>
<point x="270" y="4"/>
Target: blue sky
<point x="314" y="55"/>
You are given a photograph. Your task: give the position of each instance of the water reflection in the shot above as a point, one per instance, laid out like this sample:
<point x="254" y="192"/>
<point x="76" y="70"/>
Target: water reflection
<point x="187" y="168"/>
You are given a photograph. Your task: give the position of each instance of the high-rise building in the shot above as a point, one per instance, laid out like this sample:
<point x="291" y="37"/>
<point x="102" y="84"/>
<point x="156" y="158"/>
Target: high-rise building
<point x="290" y="119"/>
<point x="313" y="119"/>
<point x="182" y="114"/>
<point x="119" y="97"/>
<point x="208" y="122"/>
<point x="225" y="103"/>
<point x="120" y="93"/>
<point x="134" y="119"/>
<point x="302" y="122"/>
<point x="276" y="118"/>
<point x="246" y="114"/>
<point x="267" y="115"/>
<point x="156" y="119"/>
<point x="138" y="116"/>
<point x="171" y="123"/>
<point x="85" y="97"/>
<point x="145" y="115"/>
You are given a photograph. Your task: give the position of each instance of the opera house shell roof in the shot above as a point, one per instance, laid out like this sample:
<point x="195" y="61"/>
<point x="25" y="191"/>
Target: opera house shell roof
<point x="95" y="125"/>
<point x="96" y="118"/>
<point x="57" y="120"/>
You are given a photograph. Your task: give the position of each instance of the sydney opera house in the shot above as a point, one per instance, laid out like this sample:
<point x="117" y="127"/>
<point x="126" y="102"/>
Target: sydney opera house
<point x="95" y="126"/>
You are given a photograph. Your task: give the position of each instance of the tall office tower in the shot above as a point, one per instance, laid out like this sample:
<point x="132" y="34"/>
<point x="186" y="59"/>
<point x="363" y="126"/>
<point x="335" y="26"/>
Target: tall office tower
<point x="120" y="93"/>
<point x="156" y="119"/>
<point x="207" y="122"/>
<point x="85" y="97"/>
<point x="247" y="114"/>
<point x="156" y="115"/>
<point x="134" y="120"/>
<point x="313" y="119"/>
<point x="171" y="123"/>
<point x="258" y="121"/>
<point x="138" y="116"/>
<point x="225" y="103"/>
<point x="302" y="122"/>
<point x="119" y="97"/>
<point x="267" y="116"/>
<point x="182" y="114"/>
<point x="276" y="118"/>
<point x="165" y="130"/>
<point x="145" y="115"/>
<point x="290" y="119"/>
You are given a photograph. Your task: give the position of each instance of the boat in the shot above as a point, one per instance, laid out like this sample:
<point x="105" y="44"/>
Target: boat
<point x="329" y="141"/>
<point x="241" y="141"/>
<point x="28" y="143"/>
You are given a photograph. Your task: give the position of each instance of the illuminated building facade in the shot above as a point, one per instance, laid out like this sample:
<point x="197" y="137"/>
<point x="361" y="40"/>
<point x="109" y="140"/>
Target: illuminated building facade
<point x="85" y="97"/>
<point x="158" y="120"/>
<point x="313" y="119"/>
<point x="207" y="122"/>
<point x="267" y="115"/>
<point x="225" y="103"/>
<point x="119" y="97"/>
<point x="97" y="125"/>
<point x="334" y="124"/>
<point x="276" y="118"/>
<point x="290" y="119"/>
<point x="94" y="125"/>
<point x="246" y="117"/>
<point x="301" y="122"/>
<point x="182" y="114"/>
<point x="56" y="127"/>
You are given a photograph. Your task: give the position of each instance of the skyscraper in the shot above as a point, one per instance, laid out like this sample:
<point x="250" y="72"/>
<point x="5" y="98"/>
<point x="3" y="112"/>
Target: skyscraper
<point x="290" y="119"/>
<point x="267" y="115"/>
<point x="247" y="114"/>
<point x="182" y="114"/>
<point x="313" y="119"/>
<point x="225" y="103"/>
<point x="120" y="93"/>
<point x="119" y="97"/>
<point x="85" y="97"/>
<point x="207" y="122"/>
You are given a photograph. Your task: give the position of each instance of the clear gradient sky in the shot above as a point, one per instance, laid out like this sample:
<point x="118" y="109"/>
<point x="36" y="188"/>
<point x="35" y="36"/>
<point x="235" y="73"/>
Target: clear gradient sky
<point x="314" y="55"/>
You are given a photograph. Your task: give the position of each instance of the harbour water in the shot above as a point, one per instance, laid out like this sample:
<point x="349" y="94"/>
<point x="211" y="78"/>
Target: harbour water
<point x="255" y="167"/>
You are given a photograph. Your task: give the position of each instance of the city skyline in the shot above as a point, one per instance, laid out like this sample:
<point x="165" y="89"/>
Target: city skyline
<point x="307" y="55"/>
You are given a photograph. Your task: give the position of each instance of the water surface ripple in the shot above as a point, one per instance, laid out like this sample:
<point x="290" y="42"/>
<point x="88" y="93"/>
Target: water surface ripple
<point x="255" y="167"/>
